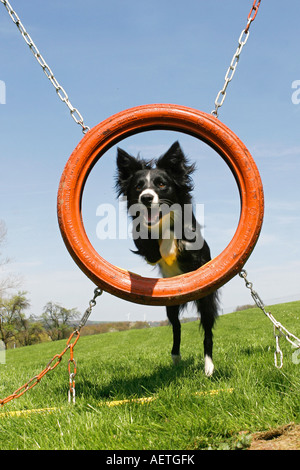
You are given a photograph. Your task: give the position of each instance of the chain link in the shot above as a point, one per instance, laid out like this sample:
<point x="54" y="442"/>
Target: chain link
<point x="92" y="303"/>
<point x="254" y="10"/>
<point x="72" y="362"/>
<point x="279" y="329"/>
<point x="53" y="363"/>
<point x="61" y="93"/>
<point x="233" y="64"/>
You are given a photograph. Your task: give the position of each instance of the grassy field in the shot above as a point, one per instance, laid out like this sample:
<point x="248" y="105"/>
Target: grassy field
<point x="184" y="412"/>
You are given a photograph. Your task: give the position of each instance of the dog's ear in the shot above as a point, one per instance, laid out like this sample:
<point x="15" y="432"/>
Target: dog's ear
<point x="172" y="158"/>
<point x="127" y="165"/>
<point x="175" y="161"/>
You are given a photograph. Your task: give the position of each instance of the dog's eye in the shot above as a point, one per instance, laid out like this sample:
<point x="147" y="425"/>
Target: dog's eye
<point x="161" y="184"/>
<point x="139" y="186"/>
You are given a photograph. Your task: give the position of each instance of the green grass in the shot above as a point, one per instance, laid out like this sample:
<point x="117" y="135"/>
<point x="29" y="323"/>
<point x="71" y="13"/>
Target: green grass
<point x="136" y="363"/>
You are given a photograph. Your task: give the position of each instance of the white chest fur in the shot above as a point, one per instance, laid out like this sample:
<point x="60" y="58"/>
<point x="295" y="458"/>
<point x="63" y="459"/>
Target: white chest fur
<point x="169" y="251"/>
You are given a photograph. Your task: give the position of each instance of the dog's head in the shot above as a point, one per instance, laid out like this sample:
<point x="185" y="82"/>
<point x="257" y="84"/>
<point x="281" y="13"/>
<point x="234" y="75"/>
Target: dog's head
<point x="151" y="185"/>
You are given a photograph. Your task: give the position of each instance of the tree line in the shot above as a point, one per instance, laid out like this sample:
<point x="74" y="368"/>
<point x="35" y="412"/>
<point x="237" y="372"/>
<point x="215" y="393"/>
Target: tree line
<point x="17" y="329"/>
<point x="55" y="322"/>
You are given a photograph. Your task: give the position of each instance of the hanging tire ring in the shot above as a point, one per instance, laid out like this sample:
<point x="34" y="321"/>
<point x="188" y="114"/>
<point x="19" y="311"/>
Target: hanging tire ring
<point x="185" y="287"/>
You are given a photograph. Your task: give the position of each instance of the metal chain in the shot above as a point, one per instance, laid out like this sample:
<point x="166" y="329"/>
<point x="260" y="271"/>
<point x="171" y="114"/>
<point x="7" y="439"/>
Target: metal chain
<point x="92" y="303"/>
<point x="233" y="64"/>
<point x="61" y="93"/>
<point x="79" y="120"/>
<point x="279" y="329"/>
<point x="53" y="363"/>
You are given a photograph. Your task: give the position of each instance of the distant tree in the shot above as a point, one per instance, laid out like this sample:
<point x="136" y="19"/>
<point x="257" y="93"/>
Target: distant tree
<point x="12" y="316"/>
<point x="57" y="320"/>
<point x="239" y="308"/>
<point x="15" y="327"/>
<point x="7" y="281"/>
<point x="30" y="331"/>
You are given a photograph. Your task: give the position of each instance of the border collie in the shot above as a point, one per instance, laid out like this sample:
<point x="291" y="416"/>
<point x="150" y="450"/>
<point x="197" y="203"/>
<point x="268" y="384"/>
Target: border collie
<point x="165" y="230"/>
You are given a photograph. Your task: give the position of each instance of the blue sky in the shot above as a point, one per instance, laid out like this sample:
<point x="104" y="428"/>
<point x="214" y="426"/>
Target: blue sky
<point x="114" y="55"/>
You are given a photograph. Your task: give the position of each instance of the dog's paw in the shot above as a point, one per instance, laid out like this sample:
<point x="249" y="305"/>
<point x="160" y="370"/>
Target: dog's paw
<point x="176" y="358"/>
<point x="208" y="366"/>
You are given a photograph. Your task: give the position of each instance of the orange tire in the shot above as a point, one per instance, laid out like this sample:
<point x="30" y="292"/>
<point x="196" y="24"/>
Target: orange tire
<point x="189" y="286"/>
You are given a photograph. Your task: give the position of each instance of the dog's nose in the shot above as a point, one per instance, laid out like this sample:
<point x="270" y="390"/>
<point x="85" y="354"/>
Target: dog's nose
<point x="147" y="199"/>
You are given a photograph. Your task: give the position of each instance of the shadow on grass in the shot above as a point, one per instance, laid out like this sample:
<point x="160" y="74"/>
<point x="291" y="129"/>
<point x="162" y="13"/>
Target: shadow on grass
<point x="145" y="385"/>
<point x="254" y="350"/>
<point x="141" y="385"/>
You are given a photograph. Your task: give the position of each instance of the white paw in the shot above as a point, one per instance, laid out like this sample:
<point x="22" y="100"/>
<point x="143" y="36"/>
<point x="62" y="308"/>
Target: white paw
<point x="176" y="358"/>
<point x="208" y="366"/>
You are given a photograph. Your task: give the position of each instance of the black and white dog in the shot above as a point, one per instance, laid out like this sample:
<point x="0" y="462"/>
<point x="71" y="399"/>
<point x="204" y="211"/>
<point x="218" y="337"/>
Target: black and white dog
<point x="166" y="232"/>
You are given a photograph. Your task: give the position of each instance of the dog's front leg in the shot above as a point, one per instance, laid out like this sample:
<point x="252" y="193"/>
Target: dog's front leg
<point x="173" y="316"/>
